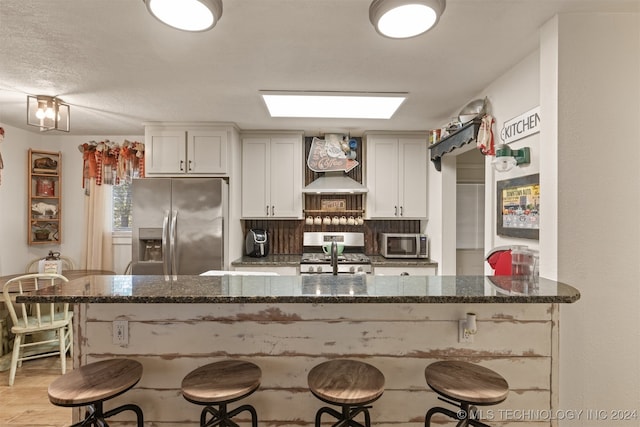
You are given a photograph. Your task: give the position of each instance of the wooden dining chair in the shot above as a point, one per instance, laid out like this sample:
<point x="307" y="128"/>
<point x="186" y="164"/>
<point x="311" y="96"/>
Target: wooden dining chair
<point x="45" y="324"/>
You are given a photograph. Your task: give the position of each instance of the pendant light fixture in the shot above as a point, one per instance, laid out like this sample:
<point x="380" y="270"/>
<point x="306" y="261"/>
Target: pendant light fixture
<point x="47" y="113"/>
<point x="401" y="19"/>
<point x="186" y="15"/>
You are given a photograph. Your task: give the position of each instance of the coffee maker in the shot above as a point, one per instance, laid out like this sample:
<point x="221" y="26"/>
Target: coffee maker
<point x="257" y="243"/>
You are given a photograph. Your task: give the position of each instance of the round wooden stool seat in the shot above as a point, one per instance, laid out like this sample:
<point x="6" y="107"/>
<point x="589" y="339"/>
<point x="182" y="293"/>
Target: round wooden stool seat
<point x="95" y="382"/>
<point x="223" y="381"/>
<point x="219" y="383"/>
<point x="348" y="383"/>
<point x="466" y="382"/>
<point x="92" y="384"/>
<point x="464" y="385"/>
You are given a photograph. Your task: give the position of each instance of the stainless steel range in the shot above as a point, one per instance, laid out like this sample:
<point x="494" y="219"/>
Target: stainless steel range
<point x="352" y="260"/>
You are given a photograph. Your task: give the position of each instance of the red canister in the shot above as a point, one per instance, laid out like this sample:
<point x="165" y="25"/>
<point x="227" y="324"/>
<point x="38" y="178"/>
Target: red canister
<point x="44" y="187"/>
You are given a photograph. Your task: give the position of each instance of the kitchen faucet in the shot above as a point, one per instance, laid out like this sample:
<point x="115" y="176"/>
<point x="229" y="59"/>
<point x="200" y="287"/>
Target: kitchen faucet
<point x="334" y="257"/>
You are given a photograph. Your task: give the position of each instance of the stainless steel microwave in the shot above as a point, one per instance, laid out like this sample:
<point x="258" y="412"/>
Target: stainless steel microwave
<point x="404" y="245"/>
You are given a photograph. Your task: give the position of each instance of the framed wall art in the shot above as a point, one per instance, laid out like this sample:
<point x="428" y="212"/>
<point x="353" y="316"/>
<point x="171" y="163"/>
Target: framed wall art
<point x="518" y="213"/>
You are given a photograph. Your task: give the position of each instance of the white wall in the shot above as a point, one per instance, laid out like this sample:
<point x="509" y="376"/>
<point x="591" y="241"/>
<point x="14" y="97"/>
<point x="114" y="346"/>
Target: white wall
<point x="514" y="93"/>
<point x="510" y="95"/>
<point x="597" y="74"/>
<point x="586" y="79"/>
<point x="14" y="250"/>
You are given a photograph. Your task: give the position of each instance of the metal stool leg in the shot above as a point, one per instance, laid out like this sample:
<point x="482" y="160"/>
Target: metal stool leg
<point x="346" y="417"/>
<point x="221" y="417"/>
<point x="95" y="415"/>
<point x="463" y="422"/>
<point x="248" y="408"/>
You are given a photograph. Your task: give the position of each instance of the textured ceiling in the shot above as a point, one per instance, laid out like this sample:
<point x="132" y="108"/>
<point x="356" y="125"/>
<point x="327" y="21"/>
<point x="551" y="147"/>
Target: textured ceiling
<point x="118" y="67"/>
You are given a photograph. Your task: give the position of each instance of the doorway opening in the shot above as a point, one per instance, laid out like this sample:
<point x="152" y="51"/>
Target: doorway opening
<point x="470" y="218"/>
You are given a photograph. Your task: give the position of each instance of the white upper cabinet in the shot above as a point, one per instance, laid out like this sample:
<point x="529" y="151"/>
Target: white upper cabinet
<point x="396" y="175"/>
<point x="272" y="176"/>
<point x="183" y="150"/>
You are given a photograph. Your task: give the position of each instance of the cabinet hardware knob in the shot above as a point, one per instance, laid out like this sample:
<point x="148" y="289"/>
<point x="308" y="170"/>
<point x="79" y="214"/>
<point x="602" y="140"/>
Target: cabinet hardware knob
<point x="182" y="165"/>
<point x="190" y="165"/>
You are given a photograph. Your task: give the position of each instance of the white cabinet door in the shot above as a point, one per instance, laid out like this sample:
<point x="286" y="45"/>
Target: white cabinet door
<point x="207" y="152"/>
<point x="382" y="177"/>
<point x="256" y="187"/>
<point x="180" y="151"/>
<point x="165" y="152"/>
<point x="396" y="177"/>
<point x="272" y="177"/>
<point x="412" y="168"/>
<point x="286" y="177"/>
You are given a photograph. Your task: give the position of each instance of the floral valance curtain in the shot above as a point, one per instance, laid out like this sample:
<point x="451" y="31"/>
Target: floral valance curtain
<point x="111" y="163"/>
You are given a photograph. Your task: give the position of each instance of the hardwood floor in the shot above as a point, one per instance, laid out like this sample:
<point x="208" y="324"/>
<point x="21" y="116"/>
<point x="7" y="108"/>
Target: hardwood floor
<point x="27" y="403"/>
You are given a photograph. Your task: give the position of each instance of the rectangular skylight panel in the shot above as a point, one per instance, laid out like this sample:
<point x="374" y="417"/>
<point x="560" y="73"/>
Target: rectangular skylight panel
<point x="333" y="106"/>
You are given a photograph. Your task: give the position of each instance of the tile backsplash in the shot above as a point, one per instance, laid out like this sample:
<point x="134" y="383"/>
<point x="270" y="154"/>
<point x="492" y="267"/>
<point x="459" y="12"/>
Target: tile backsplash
<point x="285" y="236"/>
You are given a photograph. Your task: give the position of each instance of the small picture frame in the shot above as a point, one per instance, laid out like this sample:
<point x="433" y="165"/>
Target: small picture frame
<point x="518" y="210"/>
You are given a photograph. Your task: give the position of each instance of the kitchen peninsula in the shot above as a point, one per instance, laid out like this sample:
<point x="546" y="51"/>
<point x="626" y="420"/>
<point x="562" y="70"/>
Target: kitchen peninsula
<point x="288" y="324"/>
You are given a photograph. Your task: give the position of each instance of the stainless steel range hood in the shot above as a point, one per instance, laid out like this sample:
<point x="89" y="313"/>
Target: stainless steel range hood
<point x="335" y="183"/>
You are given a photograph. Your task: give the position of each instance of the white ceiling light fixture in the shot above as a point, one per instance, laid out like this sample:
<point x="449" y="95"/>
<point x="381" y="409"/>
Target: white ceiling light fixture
<point x="401" y="19"/>
<point x="186" y="15"/>
<point x="333" y="105"/>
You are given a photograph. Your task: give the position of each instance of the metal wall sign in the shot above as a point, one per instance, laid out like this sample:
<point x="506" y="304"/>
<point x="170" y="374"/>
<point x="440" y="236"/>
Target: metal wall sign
<point x="523" y="125"/>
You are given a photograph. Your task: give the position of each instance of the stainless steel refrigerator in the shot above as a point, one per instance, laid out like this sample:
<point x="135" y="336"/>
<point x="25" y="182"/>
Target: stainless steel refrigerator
<point x="178" y="225"/>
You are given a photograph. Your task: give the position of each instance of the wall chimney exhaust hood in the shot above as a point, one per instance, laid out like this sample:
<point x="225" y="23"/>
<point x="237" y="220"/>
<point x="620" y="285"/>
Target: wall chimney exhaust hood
<point x="335" y="183"/>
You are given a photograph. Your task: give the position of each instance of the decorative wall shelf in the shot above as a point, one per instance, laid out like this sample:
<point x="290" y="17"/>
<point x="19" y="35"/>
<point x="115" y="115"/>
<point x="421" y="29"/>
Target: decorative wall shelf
<point x="44" y="218"/>
<point x="458" y="139"/>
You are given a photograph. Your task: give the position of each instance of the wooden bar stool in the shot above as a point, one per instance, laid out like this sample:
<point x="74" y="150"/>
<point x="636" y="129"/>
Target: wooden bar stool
<point x="464" y="385"/>
<point x="91" y="385"/>
<point x="347" y="383"/>
<point x="217" y="384"/>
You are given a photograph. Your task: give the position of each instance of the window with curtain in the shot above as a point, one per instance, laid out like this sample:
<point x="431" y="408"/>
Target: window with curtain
<point x="121" y="212"/>
<point x="108" y="170"/>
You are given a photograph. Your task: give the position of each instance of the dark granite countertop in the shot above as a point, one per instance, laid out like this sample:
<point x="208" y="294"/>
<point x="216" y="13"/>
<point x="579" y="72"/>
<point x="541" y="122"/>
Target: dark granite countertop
<point x="306" y="289"/>
<point x="380" y="261"/>
<point x="293" y="260"/>
<point x="287" y="260"/>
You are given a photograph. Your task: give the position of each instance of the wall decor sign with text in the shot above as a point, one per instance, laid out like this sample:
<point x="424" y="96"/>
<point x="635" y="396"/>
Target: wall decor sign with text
<point x="518" y="212"/>
<point x="327" y="155"/>
<point x="519" y="127"/>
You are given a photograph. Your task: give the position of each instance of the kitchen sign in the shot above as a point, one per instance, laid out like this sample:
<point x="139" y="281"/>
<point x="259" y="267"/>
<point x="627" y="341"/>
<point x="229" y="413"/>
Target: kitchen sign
<point x="519" y="127"/>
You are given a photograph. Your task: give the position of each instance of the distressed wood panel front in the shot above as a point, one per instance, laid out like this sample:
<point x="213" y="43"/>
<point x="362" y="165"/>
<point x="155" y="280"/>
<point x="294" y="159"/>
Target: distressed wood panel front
<point x="322" y="339"/>
<point x="326" y="312"/>
<point x="287" y="340"/>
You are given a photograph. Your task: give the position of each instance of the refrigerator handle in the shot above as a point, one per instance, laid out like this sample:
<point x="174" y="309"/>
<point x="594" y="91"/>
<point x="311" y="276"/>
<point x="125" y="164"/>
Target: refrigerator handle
<point x="165" y="252"/>
<point x="172" y="242"/>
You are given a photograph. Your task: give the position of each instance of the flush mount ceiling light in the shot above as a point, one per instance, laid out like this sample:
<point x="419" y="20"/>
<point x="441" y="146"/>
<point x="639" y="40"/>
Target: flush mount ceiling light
<point x="334" y="105"/>
<point x="506" y="158"/>
<point x="401" y="19"/>
<point x="47" y="113"/>
<point x="187" y="15"/>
